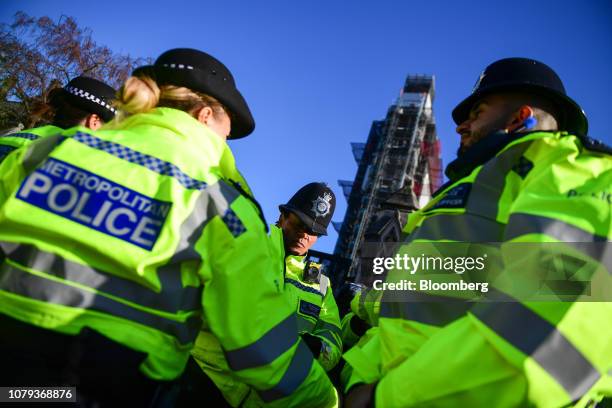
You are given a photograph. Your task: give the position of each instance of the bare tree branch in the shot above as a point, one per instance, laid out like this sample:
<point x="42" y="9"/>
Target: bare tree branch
<point x="37" y="53"/>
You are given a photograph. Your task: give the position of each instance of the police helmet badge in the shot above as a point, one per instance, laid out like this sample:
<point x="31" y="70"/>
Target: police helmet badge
<point x="322" y="205"/>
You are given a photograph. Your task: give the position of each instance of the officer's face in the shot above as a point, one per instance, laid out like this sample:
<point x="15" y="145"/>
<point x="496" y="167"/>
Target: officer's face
<point x="488" y="115"/>
<point x="296" y="236"/>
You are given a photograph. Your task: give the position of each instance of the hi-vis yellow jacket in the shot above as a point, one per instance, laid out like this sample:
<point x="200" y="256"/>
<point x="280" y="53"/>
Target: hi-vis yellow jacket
<point x="137" y="232"/>
<point x="316" y="312"/>
<point x="540" y="188"/>
<point x="13" y="141"/>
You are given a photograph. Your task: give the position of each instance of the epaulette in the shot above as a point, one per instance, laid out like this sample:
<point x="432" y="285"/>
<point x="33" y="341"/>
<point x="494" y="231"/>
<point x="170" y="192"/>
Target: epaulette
<point x="595" y="145"/>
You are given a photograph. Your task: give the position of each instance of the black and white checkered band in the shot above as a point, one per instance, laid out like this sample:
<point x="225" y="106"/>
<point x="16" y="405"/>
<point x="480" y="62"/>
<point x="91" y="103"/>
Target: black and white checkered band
<point x="178" y="66"/>
<point x="86" y="95"/>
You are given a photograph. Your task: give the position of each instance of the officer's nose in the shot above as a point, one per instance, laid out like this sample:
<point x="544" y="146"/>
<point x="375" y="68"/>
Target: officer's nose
<point x="305" y="236"/>
<point x="463" y="127"/>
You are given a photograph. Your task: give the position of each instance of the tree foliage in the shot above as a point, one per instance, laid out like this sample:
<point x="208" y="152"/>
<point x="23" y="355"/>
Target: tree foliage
<point x="39" y="54"/>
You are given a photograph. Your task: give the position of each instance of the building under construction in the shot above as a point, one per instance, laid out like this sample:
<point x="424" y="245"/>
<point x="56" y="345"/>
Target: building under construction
<point x="399" y="168"/>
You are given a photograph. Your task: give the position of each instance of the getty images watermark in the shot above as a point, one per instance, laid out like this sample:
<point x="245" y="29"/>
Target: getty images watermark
<point x="440" y="264"/>
<point x="488" y="271"/>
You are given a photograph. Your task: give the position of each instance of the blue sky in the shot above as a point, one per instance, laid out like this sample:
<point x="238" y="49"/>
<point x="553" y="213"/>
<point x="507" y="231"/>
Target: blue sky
<point x="316" y="73"/>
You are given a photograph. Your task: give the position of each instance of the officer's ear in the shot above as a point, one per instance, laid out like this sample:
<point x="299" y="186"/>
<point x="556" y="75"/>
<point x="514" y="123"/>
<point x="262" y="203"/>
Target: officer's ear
<point x="520" y="119"/>
<point x="204" y="114"/>
<point x="93" y="121"/>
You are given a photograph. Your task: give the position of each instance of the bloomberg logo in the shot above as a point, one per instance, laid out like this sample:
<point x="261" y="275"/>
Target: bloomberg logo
<point x="96" y="202"/>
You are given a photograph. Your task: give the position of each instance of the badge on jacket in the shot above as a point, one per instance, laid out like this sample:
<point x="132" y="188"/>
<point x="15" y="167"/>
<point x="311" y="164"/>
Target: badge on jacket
<point x="312" y="272"/>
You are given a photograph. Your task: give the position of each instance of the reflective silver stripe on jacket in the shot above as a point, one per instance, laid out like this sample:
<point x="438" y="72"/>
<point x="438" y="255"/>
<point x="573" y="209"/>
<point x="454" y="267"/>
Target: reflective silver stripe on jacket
<point x="593" y="245"/>
<point x="170" y="299"/>
<point x="458" y="227"/>
<point x="294" y="376"/>
<point x="539" y="339"/>
<point x="522" y="224"/>
<point x="490" y="182"/>
<point x="323" y="284"/>
<point x="212" y="201"/>
<point x="39" y="151"/>
<point x="427" y="309"/>
<point x="267" y="348"/>
<point x="20" y="282"/>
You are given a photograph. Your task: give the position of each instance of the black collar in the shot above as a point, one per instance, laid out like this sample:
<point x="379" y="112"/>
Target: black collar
<point x="478" y="154"/>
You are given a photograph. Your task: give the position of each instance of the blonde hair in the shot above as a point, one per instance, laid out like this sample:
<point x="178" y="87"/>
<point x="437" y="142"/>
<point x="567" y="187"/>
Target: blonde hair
<point x="141" y="94"/>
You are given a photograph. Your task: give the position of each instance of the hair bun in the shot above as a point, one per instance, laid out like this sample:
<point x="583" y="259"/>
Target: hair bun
<point x="139" y="94"/>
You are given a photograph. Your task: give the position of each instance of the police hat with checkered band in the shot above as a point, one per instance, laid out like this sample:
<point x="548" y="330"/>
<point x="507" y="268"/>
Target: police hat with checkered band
<point x="201" y="72"/>
<point x="524" y="74"/>
<point x="92" y="96"/>
<point x="314" y="205"/>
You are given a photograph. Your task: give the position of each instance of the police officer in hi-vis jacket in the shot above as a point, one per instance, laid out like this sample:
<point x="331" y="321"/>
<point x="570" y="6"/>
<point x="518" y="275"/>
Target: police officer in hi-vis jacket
<point x="532" y="189"/>
<point x="303" y="219"/>
<point x="120" y="245"/>
<point x="83" y="101"/>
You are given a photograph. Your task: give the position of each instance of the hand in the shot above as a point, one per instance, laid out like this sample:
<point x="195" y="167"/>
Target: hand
<point x="360" y="396"/>
<point x="346" y="293"/>
<point x="359" y="326"/>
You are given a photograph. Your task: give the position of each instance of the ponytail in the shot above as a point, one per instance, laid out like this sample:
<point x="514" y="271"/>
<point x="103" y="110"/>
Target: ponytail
<point x="138" y="94"/>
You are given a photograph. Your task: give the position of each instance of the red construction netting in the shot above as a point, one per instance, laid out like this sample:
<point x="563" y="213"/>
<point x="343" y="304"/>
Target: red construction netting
<point x="430" y="151"/>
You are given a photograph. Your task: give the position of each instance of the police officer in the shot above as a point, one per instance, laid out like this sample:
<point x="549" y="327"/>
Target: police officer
<point x="303" y="219"/>
<point x="120" y="244"/>
<point x="83" y="101"/>
<point x="526" y="173"/>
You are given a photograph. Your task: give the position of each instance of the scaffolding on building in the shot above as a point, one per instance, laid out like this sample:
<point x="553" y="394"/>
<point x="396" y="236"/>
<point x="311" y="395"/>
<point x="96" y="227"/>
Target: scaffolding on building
<point x="399" y="167"/>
